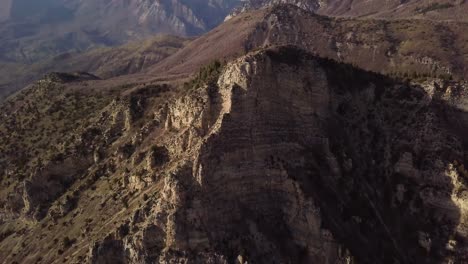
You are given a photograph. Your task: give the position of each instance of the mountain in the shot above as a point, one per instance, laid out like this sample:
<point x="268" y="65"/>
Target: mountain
<point x="34" y="30"/>
<point x="104" y="62"/>
<point x="389" y="9"/>
<point x="398" y="47"/>
<point x="249" y="5"/>
<point x="275" y="156"/>
<point x="280" y="136"/>
<point x="404" y="48"/>
<point x="31" y="31"/>
<point x="421" y="9"/>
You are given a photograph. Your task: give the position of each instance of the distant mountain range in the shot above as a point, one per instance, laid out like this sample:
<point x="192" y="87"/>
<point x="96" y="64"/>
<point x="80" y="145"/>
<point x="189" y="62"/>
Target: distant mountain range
<point x="33" y="33"/>
<point x="34" y="30"/>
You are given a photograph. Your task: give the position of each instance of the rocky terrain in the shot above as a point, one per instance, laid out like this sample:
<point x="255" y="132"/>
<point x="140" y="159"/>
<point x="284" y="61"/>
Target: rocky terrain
<point x="249" y="5"/>
<point x="407" y="48"/>
<point x="32" y="32"/>
<point x="281" y="136"/>
<point x="268" y="159"/>
<point x="454" y="10"/>
<point x="103" y="62"/>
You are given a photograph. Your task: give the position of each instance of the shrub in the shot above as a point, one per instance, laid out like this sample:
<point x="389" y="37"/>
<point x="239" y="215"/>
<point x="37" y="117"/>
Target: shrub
<point x="67" y="242"/>
<point x="207" y="75"/>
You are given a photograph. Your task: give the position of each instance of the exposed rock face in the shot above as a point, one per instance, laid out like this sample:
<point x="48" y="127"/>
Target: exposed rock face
<point x="280" y="157"/>
<point x="308" y="5"/>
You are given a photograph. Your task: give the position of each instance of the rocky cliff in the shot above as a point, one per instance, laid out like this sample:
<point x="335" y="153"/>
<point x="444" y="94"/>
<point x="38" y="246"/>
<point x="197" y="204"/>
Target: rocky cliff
<point x="275" y="157"/>
<point x="307" y="5"/>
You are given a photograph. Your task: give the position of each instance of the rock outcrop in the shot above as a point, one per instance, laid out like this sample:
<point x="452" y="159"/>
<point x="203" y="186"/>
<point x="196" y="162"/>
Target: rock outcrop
<point x="275" y="157"/>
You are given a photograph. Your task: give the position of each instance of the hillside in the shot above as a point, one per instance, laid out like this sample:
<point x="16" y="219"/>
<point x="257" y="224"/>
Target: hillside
<point x="454" y="10"/>
<point x="398" y="47"/>
<point x="405" y="48"/>
<point x="103" y="62"/>
<point x="31" y="31"/>
<point x="280" y="136"/>
<point x="270" y="157"/>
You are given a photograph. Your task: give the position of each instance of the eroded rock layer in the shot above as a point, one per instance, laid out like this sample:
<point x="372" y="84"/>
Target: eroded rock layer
<point x="275" y="157"/>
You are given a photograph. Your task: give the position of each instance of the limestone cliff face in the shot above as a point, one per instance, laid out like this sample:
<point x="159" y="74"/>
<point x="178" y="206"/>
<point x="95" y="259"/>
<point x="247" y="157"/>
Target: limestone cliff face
<point x="281" y="157"/>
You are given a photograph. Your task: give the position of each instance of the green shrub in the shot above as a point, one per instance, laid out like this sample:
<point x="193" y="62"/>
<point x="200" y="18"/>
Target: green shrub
<point x="207" y="75"/>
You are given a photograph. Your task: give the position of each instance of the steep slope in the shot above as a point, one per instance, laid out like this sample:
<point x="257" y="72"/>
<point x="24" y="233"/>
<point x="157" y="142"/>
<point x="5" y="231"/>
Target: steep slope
<point x="103" y="62"/>
<point x="455" y="10"/>
<point x="249" y="5"/>
<point x="399" y="47"/>
<point x="31" y="31"/>
<point x="421" y="9"/>
<point x="276" y="157"/>
<point x="415" y="48"/>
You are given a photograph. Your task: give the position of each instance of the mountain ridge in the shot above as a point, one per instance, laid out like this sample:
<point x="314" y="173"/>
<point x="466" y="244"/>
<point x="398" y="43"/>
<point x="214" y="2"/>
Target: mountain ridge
<point x="400" y="47"/>
<point x="103" y="62"/>
<point x="280" y="136"/>
<point x="166" y="172"/>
